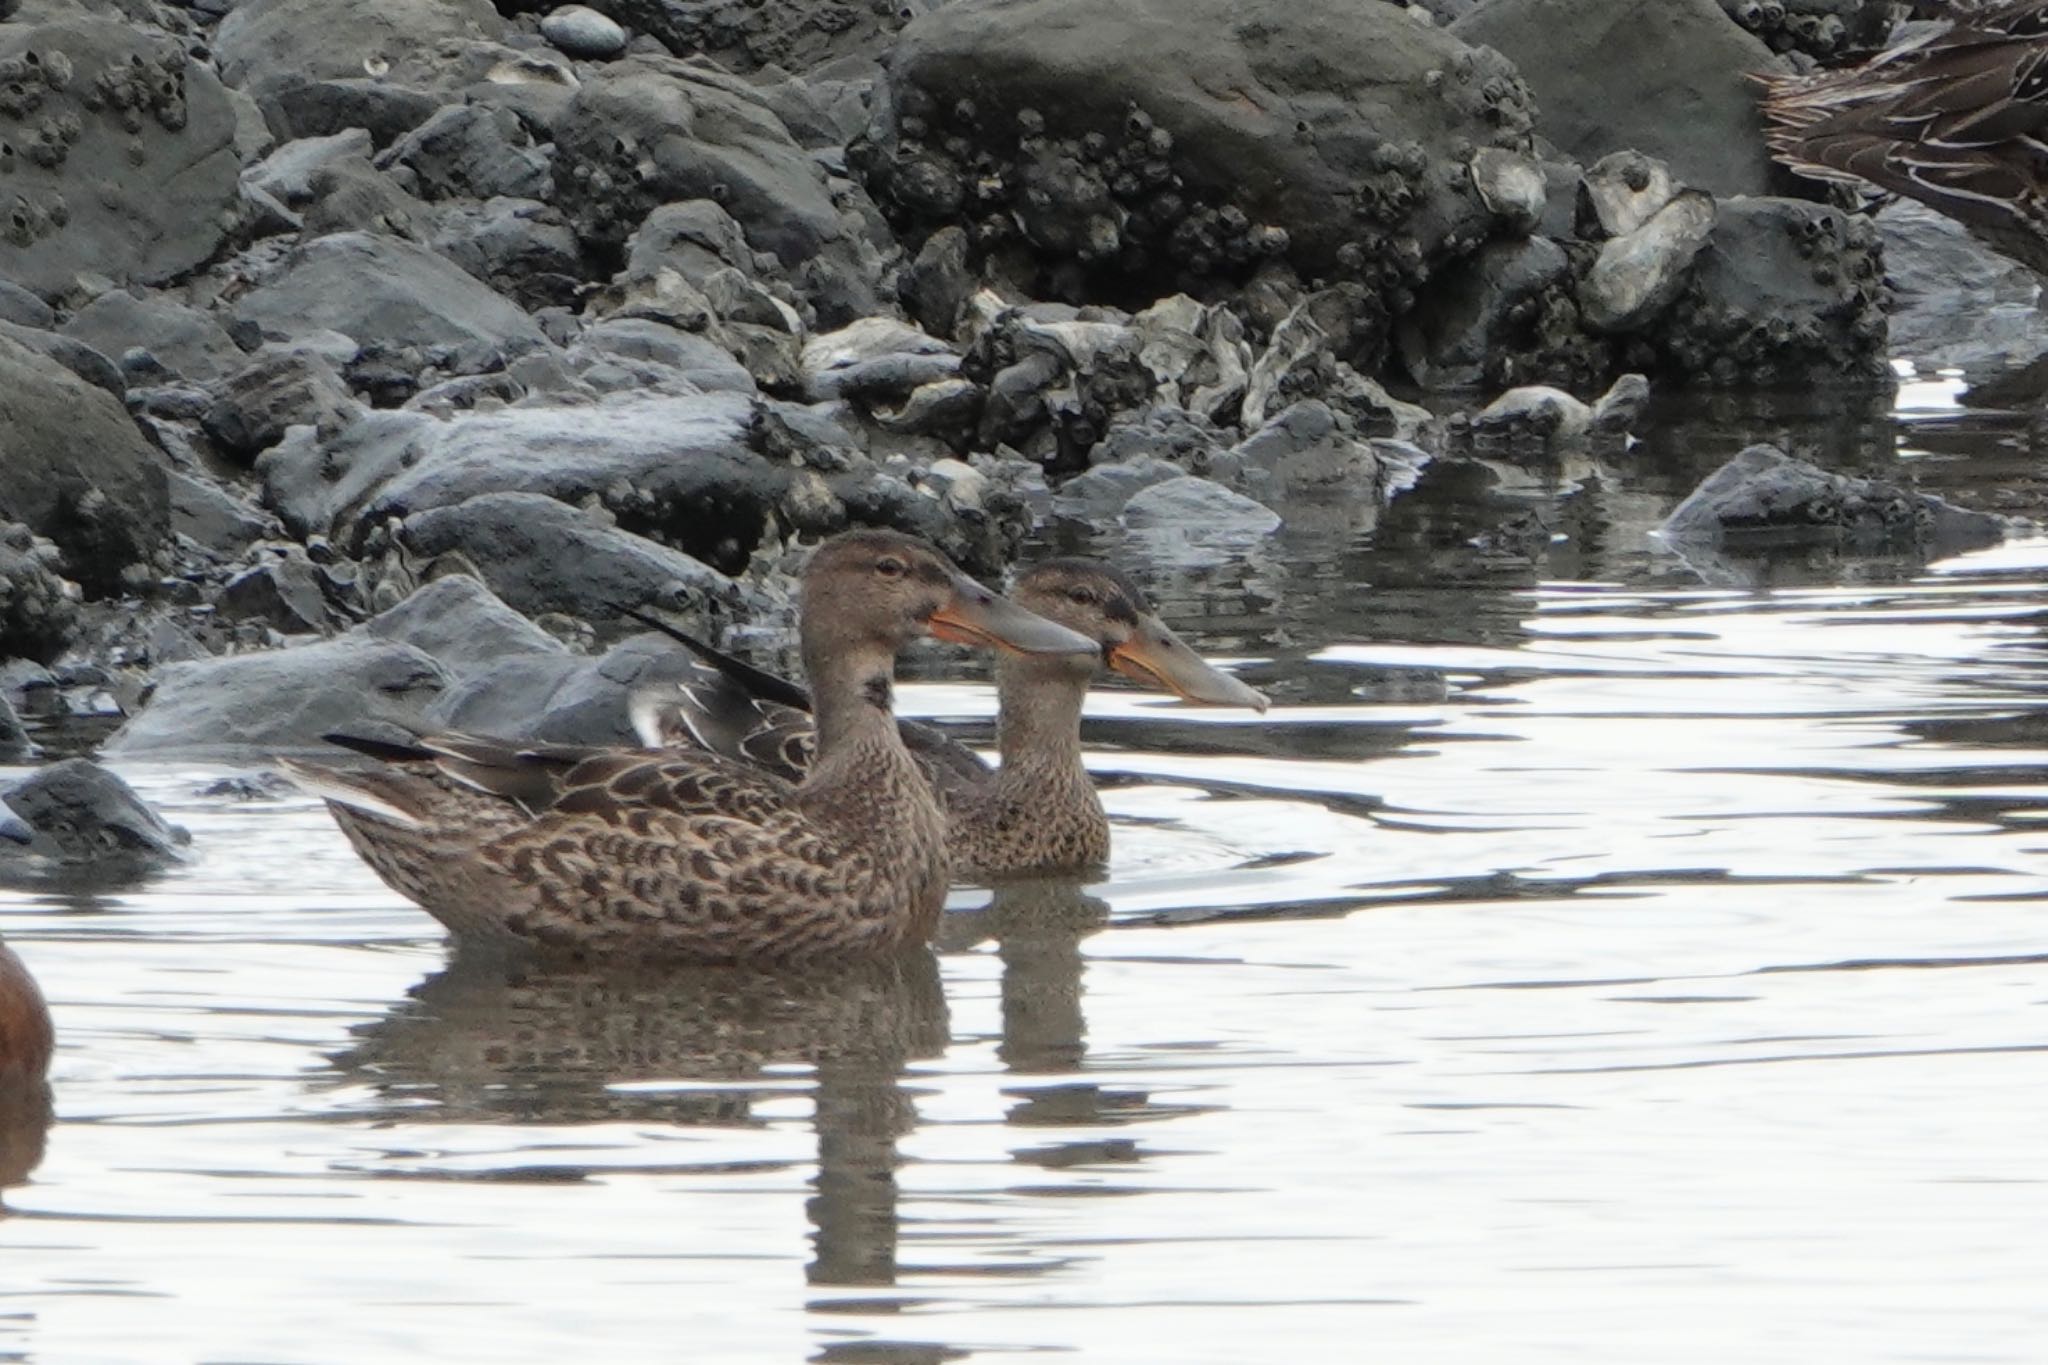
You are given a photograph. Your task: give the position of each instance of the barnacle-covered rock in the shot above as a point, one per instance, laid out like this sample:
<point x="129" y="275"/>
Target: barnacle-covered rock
<point x="38" y="606"/>
<point x="1160" y="146"/>
<point x="1822" y="29"/>
<point x="117" y="155"/>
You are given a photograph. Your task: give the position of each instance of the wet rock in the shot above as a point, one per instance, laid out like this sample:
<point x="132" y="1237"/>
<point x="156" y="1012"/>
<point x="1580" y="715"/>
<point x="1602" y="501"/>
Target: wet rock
<point x="1101" y="153"/>
<point x="84" y="818"/>
<point x="1639" y="273"/>
<point x="1543" y="418"/>
<point x="384" y="109"/>
<point x="1821" y="29"/>
<point x="267" y="45"/>
<point x="15" y="744"/>
<point x="280" y="389"/>
<point x="1954" y="301"/>
<point x="284" y="699"/>
<point x="1310" y="453"/>
<point x="523" y="249"/>
<point x="215" y="519"/>
<point x="78" y="470"/>
<point x="467" y="151"/>
<point x="1621" y="192"/>
<point x="540" y="556"/>
<point x="376" y="288"/>
<point x="561" y="698"/>
<point x="1198" y="509"/>
<point x="644" y="133"/>
<point x="283" y="589"/>
<point x="287" y="174"/>
<point x="1513" y="187"/>
<point x="1676" y="55"/>
<point x="466" y="627"/>
<point x="801" y="35"/>
<point x="1785" y="292"/>
<point x="185" y="341"/>
<point x="1469" y="318"/>
<point x="117" y="155"/>
<point x="1104" y="490"/>
<point x="935" y="287"/>
<point x="38" y="606"/>
<point x="874" y="359"/>
<point x="86" y="362"/>
<point x="582" y="32"/>
<point x="1764" y="496"/>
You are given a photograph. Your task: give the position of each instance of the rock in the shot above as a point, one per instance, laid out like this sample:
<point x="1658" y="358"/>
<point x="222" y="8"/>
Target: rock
<point x="282" y="590"/>
<point x="1677" y="55"/>
<point x="82" y="360"/>
<point x="561" y="699"/>
<point x="117" y="153"/>
<point x="1105" y="150"/>
<point x="1468" y="319"/>
<point x="540" y="555"/>
<point x="1551" y="419"/>
<point x="15" y="744"/>
<point x="322" y="108"/>
<point x="466" y="627"/>
<point x="467" y="151"/>
<point x="1105" y="489"/>
<point x="287" y="174"/>
<point x="1785" y="292"/>
<point x="1307" y="452"/>
<point x="215" y="519"/>
<point x="1764" y="496"/>
<point x="280" y="389"/>
<point x="23" y="309"/>
<point x="800" y="35"/>
<point x="874" y="360"/>
<point x="316" y="483"/>
<point x="704" y="363"/>
<point x="78" y="470"/>
<point x="351" y="195"/>
<point x="266" y="45"/>
<point x="523" y="249"/>
<point x="640" y="134"/>
<point x="1820" y="29"/>
<point x="187" y="342"/>
<point x="253" y="705"/>
<point x="380" y="289"/>
<point x="1620" y="193"/>
<point x="38" y="607"/>
<point x="1954" y="301"/>
<point x="1638" y="274"/>
<point x="694" y="238"/>
<point x="935" y="287"/>
<point x="1196" y="509"/>
<point x="86" y="818"/>
<point x="582" y="32"/>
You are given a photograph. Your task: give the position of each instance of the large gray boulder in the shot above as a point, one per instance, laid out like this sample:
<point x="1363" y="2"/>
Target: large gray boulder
<point x="1672" y="79"/>
<point x="465" y="626"/>
<point x="117" y="155"/>
<point x="263" y="45"/>
<point x="1129" y="151"/>
<point x="85" y="821"/>
<point x="561" y="699"/>
<point x="188" y="343"/>
<point x="385" y="290"/>
<point x="77" y="470"/>
<point x="541" y="555"/>
<point x="281" y="700"/>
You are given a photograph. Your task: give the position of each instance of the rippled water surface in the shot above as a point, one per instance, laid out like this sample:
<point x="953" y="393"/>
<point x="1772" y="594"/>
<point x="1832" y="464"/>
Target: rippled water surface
<point x="1595" y="956"/>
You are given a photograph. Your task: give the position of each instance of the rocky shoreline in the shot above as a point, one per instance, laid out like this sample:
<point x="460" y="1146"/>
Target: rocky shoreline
<point x="358" y="358"/>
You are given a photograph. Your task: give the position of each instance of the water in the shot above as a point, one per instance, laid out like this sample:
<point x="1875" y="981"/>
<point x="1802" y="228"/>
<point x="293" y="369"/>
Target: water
<point x="1594" y="957"/>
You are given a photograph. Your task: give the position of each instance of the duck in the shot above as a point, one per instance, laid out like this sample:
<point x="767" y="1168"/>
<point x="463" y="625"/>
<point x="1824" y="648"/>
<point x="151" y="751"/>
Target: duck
<point x="1955" y="117"/>
<point x="1036" y="814"/>
<point x="691" y="854"/>
<point x="26" y="1035"/>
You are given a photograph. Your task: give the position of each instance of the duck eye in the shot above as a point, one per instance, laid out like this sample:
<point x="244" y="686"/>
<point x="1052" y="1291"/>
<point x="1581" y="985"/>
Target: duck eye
<point x="889" y="568"/>
<point x="1084" y="597"/>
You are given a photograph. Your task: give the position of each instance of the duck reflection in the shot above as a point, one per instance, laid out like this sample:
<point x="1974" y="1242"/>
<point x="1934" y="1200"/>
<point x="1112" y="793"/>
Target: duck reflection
<point x="26" y="1039"/>
<point x="493" y="1041"/>
<point x="1037" y="927"/>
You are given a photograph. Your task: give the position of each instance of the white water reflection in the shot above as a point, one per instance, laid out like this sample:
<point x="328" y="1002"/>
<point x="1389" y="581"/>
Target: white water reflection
<point x="1666" y="984"/>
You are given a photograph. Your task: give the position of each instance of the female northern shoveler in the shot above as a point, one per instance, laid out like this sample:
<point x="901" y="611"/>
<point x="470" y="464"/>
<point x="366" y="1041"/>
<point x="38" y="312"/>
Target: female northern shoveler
<point x="25" y="1034"/>
<point x="1954" y="118"/>
<point x="1038" y="812"/>
<point x="692" y="854"/>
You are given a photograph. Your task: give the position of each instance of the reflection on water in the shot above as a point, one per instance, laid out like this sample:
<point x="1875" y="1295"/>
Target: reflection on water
<point x="1596" y="956"/>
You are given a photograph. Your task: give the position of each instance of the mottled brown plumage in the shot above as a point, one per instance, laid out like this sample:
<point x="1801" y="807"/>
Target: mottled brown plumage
<point x="1039" y="811"/>
<point x="1953" y="118"/>
<point x="26" y="1041"/>
<point x="691" y="854"/>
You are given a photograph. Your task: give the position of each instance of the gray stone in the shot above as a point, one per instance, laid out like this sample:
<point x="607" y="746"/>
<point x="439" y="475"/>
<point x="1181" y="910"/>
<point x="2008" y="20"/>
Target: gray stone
<point x="187" y="342"/>
<point x="264" y="45"/>
<point x="1467" y="318"/>
<point x="1764" y="496"/>
<point x="85" y="818"/>
<point x="38" y="607"/>
<point x="467" y="151"/>
<point x="86" y="362"/>
<point x="1104" y="490"/>
<point x="466" y="627"/>
<point x="351" y="195"/>
<point x="1954" y="301"/>
<point x="521" y="248"/>
<point x="1676" y="55"/>
<point x="78" y="470"/>
<point x="23" y="309"/>
<point x="707" y="365"/>
<point x="15" y="744"/>
<point x="317" y="483"/>
<point x="283" y="589"/>
<point x="540" y="555"/>
<point x="1199" y="510"/>
<point x="279" y="389"/>
<point x="1639" y="273"/>
<point x="254" y="705"/>
<point x="118" y="156"/>
<point x="582" y="32"/>
<point x="561" y="699"/>
<point x="215" y="519"/>
<point x="376" y="288"/>
<point x="287" y="173"/>
<point x="322" y="108"/>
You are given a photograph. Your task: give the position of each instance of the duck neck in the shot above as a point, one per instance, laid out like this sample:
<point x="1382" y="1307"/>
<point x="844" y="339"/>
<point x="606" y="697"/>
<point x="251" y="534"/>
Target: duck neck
<point x="1038" y="726"/>
<point x="851" y="696"/>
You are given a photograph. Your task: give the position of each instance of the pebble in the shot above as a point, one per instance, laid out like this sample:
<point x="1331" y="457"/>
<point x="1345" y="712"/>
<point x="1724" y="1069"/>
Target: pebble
<point x="582" y="32"/>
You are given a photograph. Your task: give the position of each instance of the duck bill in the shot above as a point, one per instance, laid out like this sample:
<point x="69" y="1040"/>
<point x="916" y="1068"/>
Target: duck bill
<point x="975" y="616"/>
<point x="1156" y="657"/>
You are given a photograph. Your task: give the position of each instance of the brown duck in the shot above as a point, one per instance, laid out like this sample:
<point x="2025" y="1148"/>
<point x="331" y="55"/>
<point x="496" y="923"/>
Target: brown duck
<point x="1956" y="118"/>
<point x="1039" y="811"/>
<point x="692" y="854"/>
